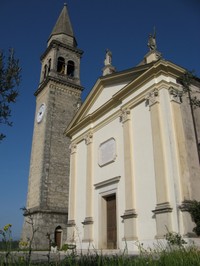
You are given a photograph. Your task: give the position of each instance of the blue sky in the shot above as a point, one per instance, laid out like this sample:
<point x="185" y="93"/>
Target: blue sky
<point x="122" y="26"/>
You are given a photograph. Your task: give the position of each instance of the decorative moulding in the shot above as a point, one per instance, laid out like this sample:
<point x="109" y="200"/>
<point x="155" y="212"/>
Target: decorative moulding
<point x="107" y="182"/>
<point x="107" y="152"/>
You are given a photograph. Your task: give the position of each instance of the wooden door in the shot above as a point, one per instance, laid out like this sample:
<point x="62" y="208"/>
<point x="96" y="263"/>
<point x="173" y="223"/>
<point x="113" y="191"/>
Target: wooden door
<point x="111" y="222"/>
<point x="58" y="238"/>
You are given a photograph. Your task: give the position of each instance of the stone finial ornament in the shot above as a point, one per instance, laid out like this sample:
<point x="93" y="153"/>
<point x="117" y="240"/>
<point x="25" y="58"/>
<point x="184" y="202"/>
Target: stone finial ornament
<point x="108" y="68"/>
<point x="152" y="41"/>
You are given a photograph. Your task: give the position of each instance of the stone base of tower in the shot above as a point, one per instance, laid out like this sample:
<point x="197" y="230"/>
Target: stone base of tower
<point x="47" y="226"/>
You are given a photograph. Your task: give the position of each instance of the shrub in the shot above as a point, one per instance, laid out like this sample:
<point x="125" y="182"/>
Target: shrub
<point x="193" y="207"/>
<point x="175" y="239"/>
<point x="64" y="247"/>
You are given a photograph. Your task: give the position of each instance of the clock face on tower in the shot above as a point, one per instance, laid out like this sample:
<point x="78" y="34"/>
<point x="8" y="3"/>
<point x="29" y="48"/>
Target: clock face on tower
<point x="41" y="112"/>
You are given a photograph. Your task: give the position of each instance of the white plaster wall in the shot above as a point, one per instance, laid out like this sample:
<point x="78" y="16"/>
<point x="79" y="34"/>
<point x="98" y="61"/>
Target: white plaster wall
<point x="114" y="169"/>
<point x="105" y="95"/>
<point x="111" y="130"/>
<point x="106" y="116"/>
<point x="144" y="172"/>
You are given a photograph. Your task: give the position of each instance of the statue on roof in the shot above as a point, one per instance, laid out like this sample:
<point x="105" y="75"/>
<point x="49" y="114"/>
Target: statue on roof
<point x="152" y="41"/>
<point x="108" y="59"/>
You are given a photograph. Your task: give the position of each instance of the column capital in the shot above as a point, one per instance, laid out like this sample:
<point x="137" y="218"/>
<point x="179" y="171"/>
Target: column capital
<point x="88" y="138"/>
<point x="125" y="115"/>
<point x="175" y="94"/>
<point x="73" y="148"/>
<point x="152" y="97"/>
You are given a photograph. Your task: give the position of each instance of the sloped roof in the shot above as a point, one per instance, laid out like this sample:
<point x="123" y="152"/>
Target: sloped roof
<point x="63" y="24"/>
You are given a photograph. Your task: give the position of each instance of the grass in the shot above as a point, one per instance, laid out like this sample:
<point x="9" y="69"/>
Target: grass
<point x="173" y="254"/>
<point x="180" y="257"/>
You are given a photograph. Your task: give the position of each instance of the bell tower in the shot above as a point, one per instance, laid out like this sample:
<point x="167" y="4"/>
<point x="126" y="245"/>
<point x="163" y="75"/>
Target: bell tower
<point x="57" y="99"/>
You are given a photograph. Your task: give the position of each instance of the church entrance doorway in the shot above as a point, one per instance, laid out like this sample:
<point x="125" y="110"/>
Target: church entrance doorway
<point x="58" y="236"/>
<point x="111" y="222"/>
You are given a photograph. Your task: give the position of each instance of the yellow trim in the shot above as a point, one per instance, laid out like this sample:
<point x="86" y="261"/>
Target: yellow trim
<point x="161" y="67"/>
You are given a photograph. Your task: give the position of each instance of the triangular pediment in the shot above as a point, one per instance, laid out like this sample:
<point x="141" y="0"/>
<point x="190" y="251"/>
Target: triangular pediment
<point x="110" y="90"/>
<point x="104" y="90"/>
<point x="102" y="95"/>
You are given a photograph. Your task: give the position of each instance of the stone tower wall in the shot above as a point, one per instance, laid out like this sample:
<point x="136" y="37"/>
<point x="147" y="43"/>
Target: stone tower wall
<point x="37" y="154"/>
<point x="58" y="93"/>
<point x="50" y="164"/>
<point x="55" y="180"/>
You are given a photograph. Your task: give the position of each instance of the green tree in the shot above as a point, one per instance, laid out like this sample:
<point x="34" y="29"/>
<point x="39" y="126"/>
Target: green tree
<point x="186" y="80"/>
<point x="10" y="77"/>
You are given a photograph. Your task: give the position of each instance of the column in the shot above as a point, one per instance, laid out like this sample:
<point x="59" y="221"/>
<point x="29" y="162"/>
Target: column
<point x="163" y="209"/>
<point x="72" y="196"/>
<point x="88" y="222"/>
<point x="129" y="215"/>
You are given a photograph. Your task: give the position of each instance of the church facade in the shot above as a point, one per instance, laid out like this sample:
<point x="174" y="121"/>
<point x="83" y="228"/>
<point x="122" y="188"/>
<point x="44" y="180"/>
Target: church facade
<point x="136" y="136"/>
<point x="119" y="169"/>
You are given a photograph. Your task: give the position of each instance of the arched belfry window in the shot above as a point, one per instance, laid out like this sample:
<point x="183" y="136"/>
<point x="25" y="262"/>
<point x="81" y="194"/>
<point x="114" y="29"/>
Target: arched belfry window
<point x="45" y="71"/>
<point x="49" y="65"/>
<point x="61" y="65"/>
<point x="70" y="68"/>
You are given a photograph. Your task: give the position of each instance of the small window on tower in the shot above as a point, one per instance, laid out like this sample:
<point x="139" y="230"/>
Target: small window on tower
<point x="70" y="68"/>
<point x="49" y="66"/>
<point x="61" y="65"/>
<point x="45" y="71"/>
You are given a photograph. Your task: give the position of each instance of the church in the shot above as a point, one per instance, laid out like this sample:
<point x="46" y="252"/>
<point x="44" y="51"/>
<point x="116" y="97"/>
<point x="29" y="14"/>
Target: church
<point x="137" y="137"/>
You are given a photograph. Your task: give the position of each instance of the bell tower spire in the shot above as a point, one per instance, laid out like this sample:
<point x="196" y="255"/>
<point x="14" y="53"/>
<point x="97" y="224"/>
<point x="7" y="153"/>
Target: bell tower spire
<point x="61" y="60"/>
<point x="57" y="99"/>
<point x="62" y="30"/>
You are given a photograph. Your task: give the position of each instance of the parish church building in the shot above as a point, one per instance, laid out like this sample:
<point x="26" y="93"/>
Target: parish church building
<point x="118" y="169"/>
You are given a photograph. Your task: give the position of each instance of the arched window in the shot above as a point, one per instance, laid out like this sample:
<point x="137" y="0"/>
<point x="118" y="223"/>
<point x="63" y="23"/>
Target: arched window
<point x="70" y="68"/>
<point x="49" y="66"/>
<point x="61" y="65"/>
<point x="45" y="71"/>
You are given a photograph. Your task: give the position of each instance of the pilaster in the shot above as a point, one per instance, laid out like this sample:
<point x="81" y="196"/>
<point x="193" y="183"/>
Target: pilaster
<point x="129" y="215"/>
<point x="72" y="195"/>
<point x="88" y="222"/>
<point x="163" y="209"/>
